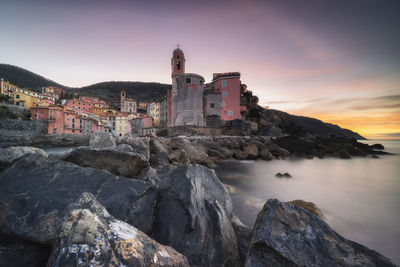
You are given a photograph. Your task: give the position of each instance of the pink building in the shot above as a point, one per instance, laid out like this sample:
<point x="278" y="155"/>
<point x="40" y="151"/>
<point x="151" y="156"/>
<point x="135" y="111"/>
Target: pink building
<point x="80" y="104"/>
<point x="53" y="115"/>
<point x="228" y="84"/>
<point x="147" y="121"/>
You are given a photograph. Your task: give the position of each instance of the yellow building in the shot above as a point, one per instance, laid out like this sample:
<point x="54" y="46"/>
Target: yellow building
<point x="103" y="111"/>
<point x="154" y="112"/>
<point x="28" y="101"/>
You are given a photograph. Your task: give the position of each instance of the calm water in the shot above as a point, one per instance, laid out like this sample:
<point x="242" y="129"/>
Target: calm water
<point x="360" y="197"/>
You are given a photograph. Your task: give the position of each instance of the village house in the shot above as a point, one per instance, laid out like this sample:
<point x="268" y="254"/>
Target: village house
<point x="121" y="124"/>
<point x="53" y="91"/>
<point x="142" y="125"/>
<point x="153" y="110"/>
<point x="7" y="88"/>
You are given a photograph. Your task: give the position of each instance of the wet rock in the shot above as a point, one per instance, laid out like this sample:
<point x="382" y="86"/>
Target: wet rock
<point x="311" y="207"/>
<point x="118" y="161"/>
<point x="243" y="235"/>
<point x="8" y="155"/>
<point x="283" y="175"/>
<point x="20" y="253"/>
<point x="90" y="236"/>
<point x="265" y="154"/>
<point x="252" y="151"/>
<point x="377" y="147"/>
<point x="194" y="213"/>
<point x="239" y="154"/>
<point x="102" y="140"/>
<point x="216" y="150"/>
<point x="194" y="152"/>
<point x="287" y="235"/>
<point x="35" y="192"/>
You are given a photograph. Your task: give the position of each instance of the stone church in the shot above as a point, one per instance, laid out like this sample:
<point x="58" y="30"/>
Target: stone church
<point x="190" y="101"/>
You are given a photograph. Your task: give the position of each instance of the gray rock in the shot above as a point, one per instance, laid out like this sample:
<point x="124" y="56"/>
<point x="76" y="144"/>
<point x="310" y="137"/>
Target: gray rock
<point x="287" y="235"/>
<point x="102" y="140"/>
<point x="195" y="153"/>
<point x="139" y="144"/>
<point x="243" y="235"/>
<point x="149" y="175"/>
<point x="252" y="151"/>
<point x="8" y="155"/>
<point x="194" y="215"/>
<point x="216" y="150"/>
<point x="90" y="236"/>
<point x="20" y="253"/>
<point x="310" y="206"/>
<point x="239" y="154"/>
<point x="265" y="154"/>
<point x="35" y="192"/>
<point x="157" y="146"/>
<point x="117" y="160"/>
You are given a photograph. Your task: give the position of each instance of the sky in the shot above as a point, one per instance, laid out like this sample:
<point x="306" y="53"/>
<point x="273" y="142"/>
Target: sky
<point x="338" y="61"/>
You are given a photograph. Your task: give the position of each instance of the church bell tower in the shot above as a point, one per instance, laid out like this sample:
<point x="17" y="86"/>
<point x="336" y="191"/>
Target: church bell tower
<point x="177" y="62"/>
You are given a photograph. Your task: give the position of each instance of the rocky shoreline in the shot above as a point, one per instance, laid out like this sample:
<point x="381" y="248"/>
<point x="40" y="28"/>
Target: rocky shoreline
<point x="151" y="201"/>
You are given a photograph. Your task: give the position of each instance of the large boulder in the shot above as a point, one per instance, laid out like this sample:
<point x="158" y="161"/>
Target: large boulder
<point x="243" y="235"/>
<point x="265" y="154"/>
<point x="8" y="155"/>
<point x="119" y="160"/>
<point x="21" y="253"/>
<point x="239" y="154"/>
<point x="310" y="206"/>
<point x="102" y="140"/>
<point x="287" y="235"/>
<point x="252" y="151"/>
<point x="90" y="236"/>
<point x="214" y="149"/>
<point x="35" y="191"/>
<point x="195" y="153"/>
<point x="139" y="144"/>
<point x="193" y="215"/>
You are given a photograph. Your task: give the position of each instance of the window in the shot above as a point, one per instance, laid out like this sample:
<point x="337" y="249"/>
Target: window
<point x="188" y="80"/>
<point x="224" y="93"/>
<point x="222" y="103"/>
<point x="178" y="66"/>
<point x="230" y="113"/>
<point x="177" y="56"/>
<point x="17" y="96"/>
<point x="212" y="105"/>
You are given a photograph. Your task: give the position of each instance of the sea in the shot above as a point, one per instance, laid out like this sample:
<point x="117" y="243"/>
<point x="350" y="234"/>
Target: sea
<point x="359" y="197"/>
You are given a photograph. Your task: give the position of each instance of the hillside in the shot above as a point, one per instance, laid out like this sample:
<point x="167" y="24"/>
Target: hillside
<point x="24" y="78"/>
<point x="105" y="90"/>
<point x="300" y="125"/>
<point x="138" y="90"/>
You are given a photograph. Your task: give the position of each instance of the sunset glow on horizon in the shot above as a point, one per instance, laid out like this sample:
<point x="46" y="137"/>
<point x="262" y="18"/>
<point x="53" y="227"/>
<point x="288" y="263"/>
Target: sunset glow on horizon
<point x="338" y="61"/>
